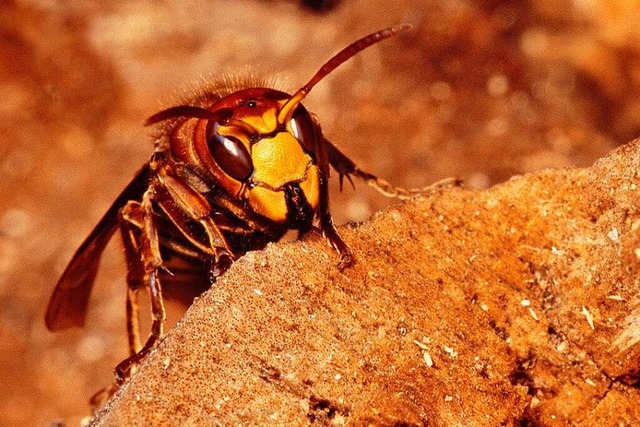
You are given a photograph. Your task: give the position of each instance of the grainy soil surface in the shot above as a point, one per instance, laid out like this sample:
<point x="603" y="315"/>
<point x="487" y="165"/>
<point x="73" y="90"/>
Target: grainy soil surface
<point x="516" y="305"/>
<point x="479" y="90"/>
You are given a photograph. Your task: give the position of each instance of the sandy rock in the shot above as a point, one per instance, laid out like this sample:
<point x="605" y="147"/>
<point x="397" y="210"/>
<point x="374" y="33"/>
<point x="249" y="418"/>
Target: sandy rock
<point x="516" y="305"/>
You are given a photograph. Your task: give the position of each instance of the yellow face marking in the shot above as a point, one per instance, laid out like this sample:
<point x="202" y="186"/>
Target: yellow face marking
<point x="279" y="160"/>
<point x="268" y="203"/>
<point x="267" y="122"/>
<point x="272" y="204"/>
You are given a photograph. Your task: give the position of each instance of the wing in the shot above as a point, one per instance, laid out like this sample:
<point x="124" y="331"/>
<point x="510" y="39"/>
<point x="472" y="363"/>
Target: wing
<point x="68" y="304"/>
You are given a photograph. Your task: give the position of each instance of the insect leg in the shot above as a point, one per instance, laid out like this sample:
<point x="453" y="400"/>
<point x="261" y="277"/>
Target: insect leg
<point x="177" y="199"/>
<point x="133" y="321"/>
<point x="329" y="230"/>
<point x="151" y="260"/>
<point x="158" y="317"/>
<point x="130" y="224"/>
<point x="327" y="227"/>
<point x="346" y="167"/>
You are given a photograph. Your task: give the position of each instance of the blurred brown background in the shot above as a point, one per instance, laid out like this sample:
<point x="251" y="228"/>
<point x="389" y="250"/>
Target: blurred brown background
<point x="479" y="90"/>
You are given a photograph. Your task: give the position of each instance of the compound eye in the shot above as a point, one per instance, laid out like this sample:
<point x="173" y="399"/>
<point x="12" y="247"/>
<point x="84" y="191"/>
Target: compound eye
<point x="304" y="129"/>
<point x="229" y="152"/>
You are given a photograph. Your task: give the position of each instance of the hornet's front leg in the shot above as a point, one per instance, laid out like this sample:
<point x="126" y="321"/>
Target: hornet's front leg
<point x="328" y="155"/>
<point x="327" y="227"/>
<point x="180" y="203"/>
<point x="329" y="230"/>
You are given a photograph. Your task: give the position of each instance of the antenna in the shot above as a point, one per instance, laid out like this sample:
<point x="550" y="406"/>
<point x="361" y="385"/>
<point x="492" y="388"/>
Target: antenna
<point x="289" y="107"/>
